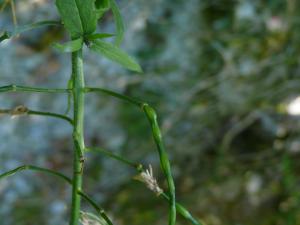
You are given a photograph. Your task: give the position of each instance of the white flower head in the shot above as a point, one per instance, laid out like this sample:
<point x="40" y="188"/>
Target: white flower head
<point x="147" y="178"/>
<point x="90" y="219"/>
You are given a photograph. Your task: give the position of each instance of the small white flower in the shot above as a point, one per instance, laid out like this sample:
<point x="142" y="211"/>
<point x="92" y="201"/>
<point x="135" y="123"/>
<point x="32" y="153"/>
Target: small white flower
<point x="90" y="219"/>
<point x="147" y="178"/>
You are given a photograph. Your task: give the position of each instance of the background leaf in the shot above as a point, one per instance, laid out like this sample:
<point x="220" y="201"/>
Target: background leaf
<point x="101" y="7"/>
<point x="118" y="21"/>
<point x="115" y="54"/>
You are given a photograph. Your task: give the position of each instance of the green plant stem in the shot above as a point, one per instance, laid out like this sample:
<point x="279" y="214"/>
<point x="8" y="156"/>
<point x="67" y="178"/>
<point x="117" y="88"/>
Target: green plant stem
<point x="164" y="161"/>
<point x="116" y="157"/>
<point x="18" y="88"/>
<point x="182" y="210"/>
<point x="116" y="95"/>
<point x="63" y="177"/>
<point x="34" y="168"/>
<point x="98" y="209"/>
<point x="50" y="114"/>
<point x="139" y="167"/>
<point x="78" y="138"/>
<point x="39" y="113"/>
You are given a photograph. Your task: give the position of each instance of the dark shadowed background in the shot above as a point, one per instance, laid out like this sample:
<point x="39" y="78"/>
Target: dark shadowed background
<point x="224" y="78"/>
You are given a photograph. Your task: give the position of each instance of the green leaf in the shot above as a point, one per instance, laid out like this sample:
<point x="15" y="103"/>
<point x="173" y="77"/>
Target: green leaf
<point x="102" y="6"/>
<point x="115" y="54"/>
<point x="99" y="36"/>
<point x="118" y="21"/>
<point x="78" y="16"/>
<point x="18" y="30"/>
<point x="70" y="46"/>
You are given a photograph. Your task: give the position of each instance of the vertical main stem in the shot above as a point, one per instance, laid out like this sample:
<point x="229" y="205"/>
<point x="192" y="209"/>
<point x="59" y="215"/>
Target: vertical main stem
<point x="78" y="97"/>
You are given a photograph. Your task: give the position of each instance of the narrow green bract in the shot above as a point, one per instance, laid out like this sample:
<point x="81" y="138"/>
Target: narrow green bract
<point x="99" y="36"/>
<point x="115" y="54"/>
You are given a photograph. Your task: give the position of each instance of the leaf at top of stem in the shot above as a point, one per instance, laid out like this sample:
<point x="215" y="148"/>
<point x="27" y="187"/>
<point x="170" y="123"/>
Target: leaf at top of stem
<point x="115" y="54"/>
<point x="79" y="16"/>
<point x="70" y="46"/>
<point x="99" y="36"/>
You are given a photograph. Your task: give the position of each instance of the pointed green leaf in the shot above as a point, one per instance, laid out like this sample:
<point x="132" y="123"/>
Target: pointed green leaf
<point x="78" y="16"/>
<point x="18" y="30"/>
<point x="118" y="21"/>
<point x="70" y="46"/>
<point x="99" y="36"/>
<point x="115" y="54"/>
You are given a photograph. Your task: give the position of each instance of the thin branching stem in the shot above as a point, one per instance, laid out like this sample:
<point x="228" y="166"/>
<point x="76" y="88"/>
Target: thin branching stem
<point x="50" y="114"/>
<point x="182" y="211"/>
<point x="139" y="168"/>
<point x="19" y="88"/>
<point x="98" y="209"/>
<point x="39" y="113"/>
<point x="112" y="155"/>
<point x="115" y="94"/>
<point x="164" y="161"/>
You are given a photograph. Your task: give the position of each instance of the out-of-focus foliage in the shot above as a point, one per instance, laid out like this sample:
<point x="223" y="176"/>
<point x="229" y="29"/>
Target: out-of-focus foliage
<point x="222" y="75"/>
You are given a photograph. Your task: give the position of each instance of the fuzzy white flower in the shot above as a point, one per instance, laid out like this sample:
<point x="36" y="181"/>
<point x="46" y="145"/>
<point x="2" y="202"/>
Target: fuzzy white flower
<point x="90" y="219"/>
<point x="147" y="178"/>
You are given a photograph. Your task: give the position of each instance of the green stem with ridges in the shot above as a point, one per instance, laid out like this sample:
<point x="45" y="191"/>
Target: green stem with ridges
<point x="78" y="138"/>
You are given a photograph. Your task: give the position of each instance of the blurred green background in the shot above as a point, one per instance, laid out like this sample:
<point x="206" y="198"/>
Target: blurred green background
<point x="224" y="78"/>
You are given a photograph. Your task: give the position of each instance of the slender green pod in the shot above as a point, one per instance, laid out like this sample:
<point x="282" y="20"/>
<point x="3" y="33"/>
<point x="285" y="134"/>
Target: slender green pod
<point x="164" y="161"/>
